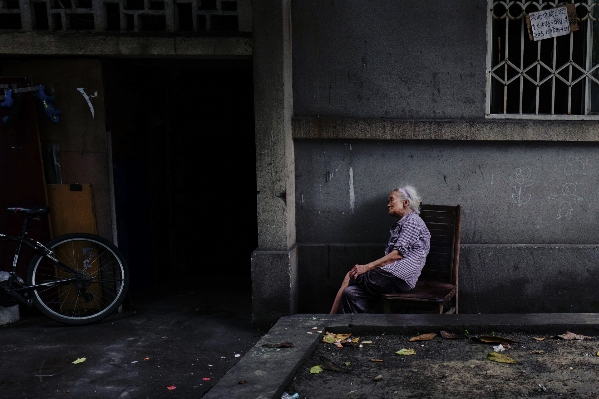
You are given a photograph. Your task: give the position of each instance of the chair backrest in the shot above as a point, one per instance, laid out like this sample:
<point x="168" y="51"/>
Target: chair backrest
<point x="444" y="223"/>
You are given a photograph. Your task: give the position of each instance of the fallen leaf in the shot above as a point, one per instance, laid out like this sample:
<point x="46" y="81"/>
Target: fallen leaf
<point x="540" y="338"/>
<point x="571" y="336"/>
<point x="342" y="337"/>
<point x="355" y="340"/>
<point x="376" y="360"/>
<point x="338" y="345"/>
<point x="489" y="339"/>
<point x="279" y="345"/>
<point x="500" y="358"/>
<point x="366" y="342"/>
<point x="448" y="335"/>
<point x="378" y="377"/>
<point x="347" y="363"/>
<point x="171" y="387"/>
<point x="327" y="364"/>
<point x="80" y="360"/>
<point x="423" y="337"/>
<point x="316" y="369"/>
<point x="329" y="338"/>
<point x="405" y="352"/>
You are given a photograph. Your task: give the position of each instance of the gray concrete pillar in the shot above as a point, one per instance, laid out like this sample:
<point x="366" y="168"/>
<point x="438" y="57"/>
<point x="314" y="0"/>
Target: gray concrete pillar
<point x="274" y="263"/>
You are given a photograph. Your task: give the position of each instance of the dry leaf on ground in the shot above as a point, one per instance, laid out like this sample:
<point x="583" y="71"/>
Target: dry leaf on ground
<point x="80" y="360"/>
<point x="405" y="352"/>
<point x="570" y="336"/>
<point x="500" y="358"/>
<point x="423" y="337"/>
<point x="448" y="335"/>
<point x="331" y="338"/>
<point x="376" y="360"/>
<point x="540" y="338"/>
<point x="328" y="364"/>
<point x="316" y="369"/>
<point x="490" y="339"/>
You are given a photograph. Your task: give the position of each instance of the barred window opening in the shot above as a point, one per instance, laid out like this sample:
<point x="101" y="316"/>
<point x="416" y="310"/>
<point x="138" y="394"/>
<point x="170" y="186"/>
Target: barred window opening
<point x="550" y="78"/>
<point x="200" y="17"/>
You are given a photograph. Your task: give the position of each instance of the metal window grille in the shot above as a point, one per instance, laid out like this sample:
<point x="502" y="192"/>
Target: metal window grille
<point x="555" y="78"/>
<point x="126" y="15"/>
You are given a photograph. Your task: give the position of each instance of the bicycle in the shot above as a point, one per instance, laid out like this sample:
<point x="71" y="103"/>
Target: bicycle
<point x="74" y="279"/>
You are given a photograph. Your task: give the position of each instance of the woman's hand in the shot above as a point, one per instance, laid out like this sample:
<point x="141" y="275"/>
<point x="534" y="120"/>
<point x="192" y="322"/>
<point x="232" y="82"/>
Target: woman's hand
<point x="357" y="270"/>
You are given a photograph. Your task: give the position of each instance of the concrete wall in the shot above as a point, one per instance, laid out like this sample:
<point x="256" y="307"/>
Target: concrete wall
<point x="81" y="137"/>
<point x="388" y="93"/>
<point x="389" y="59"/>
<point x="529" y="232"/>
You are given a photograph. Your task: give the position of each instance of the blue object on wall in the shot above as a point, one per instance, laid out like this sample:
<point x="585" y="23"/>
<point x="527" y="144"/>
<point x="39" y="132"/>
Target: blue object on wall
<point x="52" y="113"/>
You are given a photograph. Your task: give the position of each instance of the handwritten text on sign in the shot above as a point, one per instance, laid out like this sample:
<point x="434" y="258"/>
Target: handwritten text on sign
<point x="549" y="23"/>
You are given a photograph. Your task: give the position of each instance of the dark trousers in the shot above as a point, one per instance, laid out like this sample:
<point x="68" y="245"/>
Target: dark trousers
<point x="364" y="293"/>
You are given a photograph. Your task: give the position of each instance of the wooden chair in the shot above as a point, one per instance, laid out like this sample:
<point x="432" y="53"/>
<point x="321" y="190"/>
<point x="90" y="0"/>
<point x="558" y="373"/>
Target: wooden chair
<point x="437" y="286"/>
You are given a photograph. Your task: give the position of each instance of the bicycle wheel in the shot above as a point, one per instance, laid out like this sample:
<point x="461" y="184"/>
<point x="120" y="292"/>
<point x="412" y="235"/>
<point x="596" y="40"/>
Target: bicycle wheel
<point x="97" y="285"/>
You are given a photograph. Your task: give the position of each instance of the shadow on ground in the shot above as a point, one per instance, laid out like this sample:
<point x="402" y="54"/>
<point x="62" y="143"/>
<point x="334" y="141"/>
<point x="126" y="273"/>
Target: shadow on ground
<point x="189" y="337"/>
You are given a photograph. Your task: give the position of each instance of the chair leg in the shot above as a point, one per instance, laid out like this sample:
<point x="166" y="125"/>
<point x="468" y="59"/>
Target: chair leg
<point x="456" y="303"/>
<point x="386" y="306"/>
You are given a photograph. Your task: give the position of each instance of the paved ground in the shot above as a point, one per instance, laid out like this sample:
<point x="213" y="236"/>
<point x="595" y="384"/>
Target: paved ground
<point x="187" y="337"/>
<point x="191" y="338"/>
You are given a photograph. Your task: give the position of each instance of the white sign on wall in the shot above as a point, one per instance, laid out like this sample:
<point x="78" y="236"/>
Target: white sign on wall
<point x="554" y="22"/>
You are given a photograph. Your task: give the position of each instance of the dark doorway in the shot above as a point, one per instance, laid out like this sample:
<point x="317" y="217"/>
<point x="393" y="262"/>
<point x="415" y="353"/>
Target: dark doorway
<point x="184" y="169"/>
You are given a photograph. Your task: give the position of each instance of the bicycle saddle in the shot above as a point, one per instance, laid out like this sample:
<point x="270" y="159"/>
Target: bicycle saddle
<point x="32" y="212"/>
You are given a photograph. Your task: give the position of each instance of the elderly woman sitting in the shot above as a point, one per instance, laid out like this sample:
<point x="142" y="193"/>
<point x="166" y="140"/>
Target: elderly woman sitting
<point x="399" y="269"/>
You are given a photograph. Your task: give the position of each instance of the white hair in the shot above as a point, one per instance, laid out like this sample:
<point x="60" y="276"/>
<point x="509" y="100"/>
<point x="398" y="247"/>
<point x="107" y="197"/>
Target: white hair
<point x="409" y="193"/>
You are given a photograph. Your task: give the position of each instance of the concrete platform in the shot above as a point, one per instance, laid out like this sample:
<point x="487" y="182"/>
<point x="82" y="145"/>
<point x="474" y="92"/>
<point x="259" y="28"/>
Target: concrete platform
<point x="266" y="371"/>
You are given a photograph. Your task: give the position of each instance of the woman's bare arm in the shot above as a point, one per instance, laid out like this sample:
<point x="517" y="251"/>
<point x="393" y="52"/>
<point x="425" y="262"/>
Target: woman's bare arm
<point x="385" y="260"/>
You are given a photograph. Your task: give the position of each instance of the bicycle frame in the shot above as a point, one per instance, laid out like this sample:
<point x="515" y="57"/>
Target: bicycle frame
<point x="40" y="249"/>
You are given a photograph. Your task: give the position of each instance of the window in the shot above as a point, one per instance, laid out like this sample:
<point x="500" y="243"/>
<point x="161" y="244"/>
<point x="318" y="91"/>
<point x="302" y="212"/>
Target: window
<point x="556" y="78"/>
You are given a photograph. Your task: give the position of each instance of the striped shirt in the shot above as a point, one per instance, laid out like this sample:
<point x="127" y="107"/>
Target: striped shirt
<point x="411" y="238"/>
